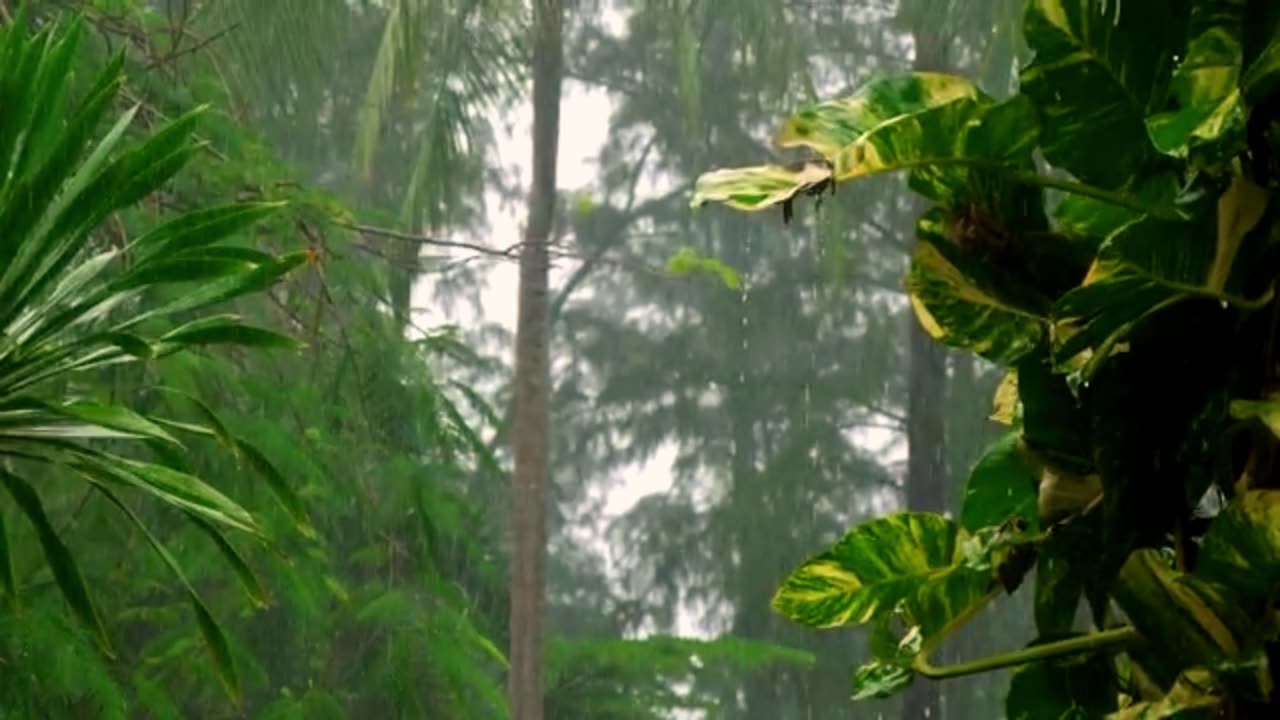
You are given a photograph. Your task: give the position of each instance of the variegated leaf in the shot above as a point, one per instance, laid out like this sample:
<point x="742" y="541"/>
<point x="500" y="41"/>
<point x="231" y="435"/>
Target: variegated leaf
<point x="1099" y="68"/>
<point x="961" y="302"/>
<point x="1241" y="549"/>
<point x="760" y="187"/>
<point x="1152" y="264"/>
<point x="829" y="127"/>
<point x="879" y="567"/>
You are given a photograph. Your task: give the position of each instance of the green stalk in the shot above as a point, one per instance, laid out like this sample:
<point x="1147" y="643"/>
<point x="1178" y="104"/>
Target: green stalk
<point x="1116" y="638"/>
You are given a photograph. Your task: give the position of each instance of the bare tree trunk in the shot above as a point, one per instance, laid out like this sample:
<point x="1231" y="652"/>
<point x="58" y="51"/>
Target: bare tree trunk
<point x="926" y="393"/>
<point x="532" y="418"/>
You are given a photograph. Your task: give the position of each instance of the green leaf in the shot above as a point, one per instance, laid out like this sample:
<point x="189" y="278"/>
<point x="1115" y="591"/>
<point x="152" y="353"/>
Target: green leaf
<point x="1204" y="84"/>
<point x="176" y="488"/>
<point x="1261" y="79"/>
<point x="881" y="679"/>
<point x="831" y="127"/>
<point x="1241" y="549"/>
<point x="200" y="228"/>
<point x="278" y="485"/>
<point x="212" y="633"/>
<point x="65" y="570"/>
<point x="1080" y="688"/>
<point x="688" y="261"/>
<point x="959" y="302"/>
<point x="1152" y="264"/>
<point x="248" y="579"/>
<point x="1265" y="411"/>
<point x="879" y="567"/>
<point x="1001" y="486"/>
<point x="761" y="187"/>
<point x="890" y="671"/>
<point x="8" y="581"/>
<point x="1099" y="68"/>
<point x="229" y="330"/>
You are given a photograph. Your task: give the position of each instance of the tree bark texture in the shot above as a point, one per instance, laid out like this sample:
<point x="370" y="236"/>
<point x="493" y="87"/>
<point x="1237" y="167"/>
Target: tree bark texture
<point x="531" y="421"/>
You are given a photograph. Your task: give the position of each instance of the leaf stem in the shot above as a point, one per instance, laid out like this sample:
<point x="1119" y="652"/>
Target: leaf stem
<point x="1107" y="196"/>
<point x="1091" y="643"/>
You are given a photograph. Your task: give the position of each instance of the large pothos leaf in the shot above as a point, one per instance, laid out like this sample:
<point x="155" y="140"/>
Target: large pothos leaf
<point x="917" y="563"/>
<point x="920" y="122"/>
<point x="1152" y="264"/>
<point x="963" y="301"/>
<point x="1241" y="549"/>
<point x="1001" y="487"/>
<point x="1205" y="83"/>
<point x="1099" y="69"/>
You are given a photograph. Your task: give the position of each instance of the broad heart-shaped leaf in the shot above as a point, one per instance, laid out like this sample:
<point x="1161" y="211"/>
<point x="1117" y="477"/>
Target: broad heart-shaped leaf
<point x="936" y="126"/>
<point x="1099" y="69"/>
<point x="1193" y="697"/>
<point x="829" y="127"/>
<point x="1002" y="486"/>
<point x="1152" y="264"/>
<point x="1083" y="688"/>
<point x="916" y="562"/>
<point x="1241" y="550"/>
<point x="1204" y="83"/>
<point x="760" y="187"/>
<point x="961" y="301"/>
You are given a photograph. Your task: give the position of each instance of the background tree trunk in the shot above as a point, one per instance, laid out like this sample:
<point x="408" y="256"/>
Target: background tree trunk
<point x="531" y="423"/>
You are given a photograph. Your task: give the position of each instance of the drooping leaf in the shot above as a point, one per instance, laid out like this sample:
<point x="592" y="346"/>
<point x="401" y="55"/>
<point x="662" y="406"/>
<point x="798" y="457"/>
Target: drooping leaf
<point x="1002" y="486"/>
<point x="8" y="581"/>
<point x="1099" y="69"/>
<point x="760" y="187"/>
<point x="212" y="633"/>
<point x="61" y="561"/>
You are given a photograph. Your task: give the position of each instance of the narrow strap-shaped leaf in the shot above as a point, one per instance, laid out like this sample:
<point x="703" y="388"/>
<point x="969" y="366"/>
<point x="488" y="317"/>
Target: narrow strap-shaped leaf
<point x="248" y="580"/>
<point x="199" y="228"/>
<point x="8" y="582"/>
<point x="229" y="330"/>
<point x="221" y="290"/>
<point x="214" y="637"/>
<point x="61" y="561"/>
<point x="279" y="487"/>
<point x="180" y="489"/>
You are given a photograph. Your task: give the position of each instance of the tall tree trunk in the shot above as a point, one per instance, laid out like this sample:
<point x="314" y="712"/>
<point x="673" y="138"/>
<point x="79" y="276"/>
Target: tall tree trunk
<point x="926" y="398"/>
<point x="531" y="422"/>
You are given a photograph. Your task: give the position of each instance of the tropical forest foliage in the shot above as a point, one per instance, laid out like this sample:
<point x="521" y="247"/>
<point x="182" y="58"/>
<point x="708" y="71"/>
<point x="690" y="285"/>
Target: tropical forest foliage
<point x="1106" y="235"/>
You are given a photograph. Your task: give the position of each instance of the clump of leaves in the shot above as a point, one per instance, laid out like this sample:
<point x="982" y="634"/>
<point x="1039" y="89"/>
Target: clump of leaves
<point x="1132" y="299"/>
<point x="76" y="297"/>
